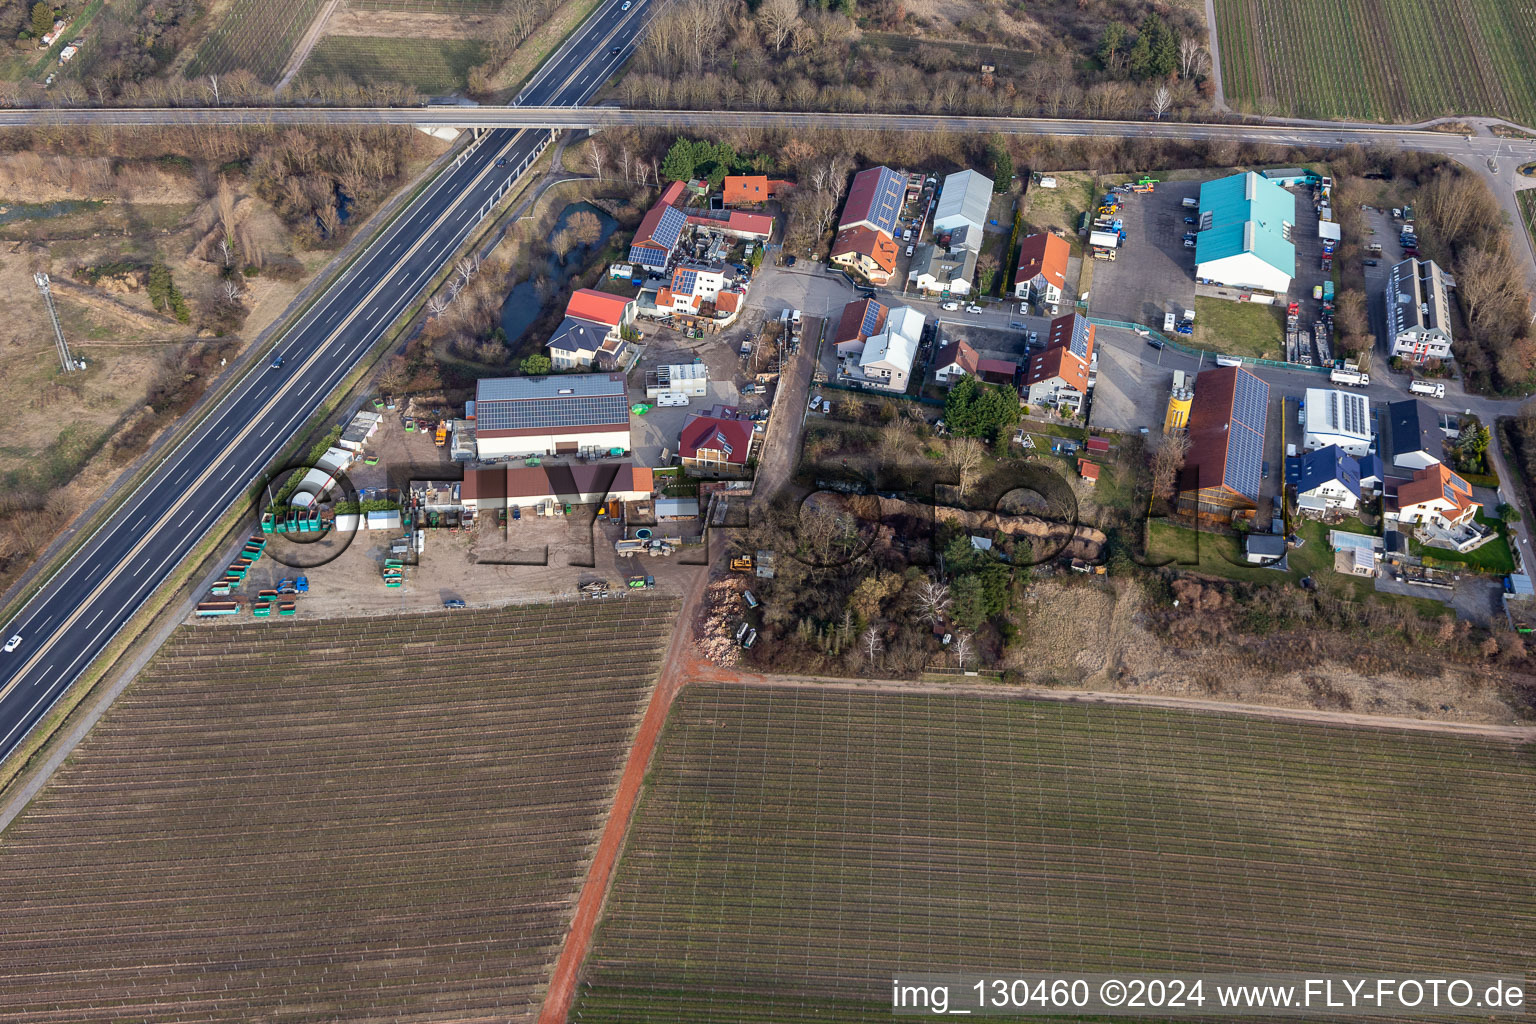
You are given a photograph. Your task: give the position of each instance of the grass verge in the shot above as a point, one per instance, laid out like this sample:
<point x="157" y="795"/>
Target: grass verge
<point x="533" y="51"/>
<point x="257" y="352"/>
<point x="1239" y="328"/>
<point x="188" y="574"/>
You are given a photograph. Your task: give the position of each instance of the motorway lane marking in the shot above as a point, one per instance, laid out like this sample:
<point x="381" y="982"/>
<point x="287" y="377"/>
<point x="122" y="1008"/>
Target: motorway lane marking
<point x="207" y="474"/>
<point x="233" y="401"/>
<point x="376" y="311"/>
<point x="20" y="722"/>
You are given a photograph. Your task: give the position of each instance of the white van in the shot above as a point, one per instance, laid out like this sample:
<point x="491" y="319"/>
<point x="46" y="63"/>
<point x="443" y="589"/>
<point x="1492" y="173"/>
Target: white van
<point x="1429" y="388"/>
<point x="1191" y="204"/>
<point x="794" y="317"/>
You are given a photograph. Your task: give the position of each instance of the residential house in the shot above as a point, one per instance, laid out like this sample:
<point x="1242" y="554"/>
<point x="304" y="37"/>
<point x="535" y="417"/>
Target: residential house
<point x="934" y="271"/>
<point x="885" y="363"/>
<point x="702" y="291"/>
<point x="1223" y="470"/>
<point x="1089" y="471"/>
<point x="718" y="444"/>
<point x="870" y="253"/>
<point x="874" y="201"/>
<point x="1245" y="234"/>
<point x="1413" y="437"/>
<point x="862" y="319"/>
<point x="1337" y="418"/>
<point x="1435" y="496"/>
<point x="592" y="332"/>
<point x="749" y="189"/>
<point x="1418" y="312"/>
<point x="1042" y="272"/>
<point x="953" y="361"/>
<point x="1372" y="474"/>
<point x="1325" y="480"/>
<point x="962" y="206"/>
<point x="1061" y="375"/>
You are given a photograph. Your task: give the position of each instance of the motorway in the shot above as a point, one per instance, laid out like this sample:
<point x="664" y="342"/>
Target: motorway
<point x="79" y="609"/>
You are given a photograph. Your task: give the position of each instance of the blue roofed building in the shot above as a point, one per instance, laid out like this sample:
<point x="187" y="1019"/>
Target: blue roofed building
<point x="1245" y="234"/>
<point x="1325" y="480"/>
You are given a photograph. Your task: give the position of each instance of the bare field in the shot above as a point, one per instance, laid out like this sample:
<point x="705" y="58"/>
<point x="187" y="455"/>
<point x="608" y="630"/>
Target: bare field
<point x="796" y="848"/>
<point x="288" y="821"/>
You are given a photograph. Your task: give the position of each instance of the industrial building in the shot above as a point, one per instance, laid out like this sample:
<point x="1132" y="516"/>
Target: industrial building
<point x="962" y="209"/>
<point x="363" y="425"/>
<point x="662" y="228"/>
<point x="1341" y="418"/>
<point x="522" y="416"/>
<point x="497" y="487"/>
<point x="1223" y="470"/>
<point x="1418" y="312"/>
<point x="1244" y="239"/>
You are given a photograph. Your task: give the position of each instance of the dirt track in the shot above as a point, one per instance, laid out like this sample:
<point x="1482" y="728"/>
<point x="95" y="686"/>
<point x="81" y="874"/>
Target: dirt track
<point x="677" y="668"/>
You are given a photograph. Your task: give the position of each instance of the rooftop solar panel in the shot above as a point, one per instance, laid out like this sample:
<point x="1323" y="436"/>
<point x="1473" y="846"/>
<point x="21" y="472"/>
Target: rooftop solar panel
<point x="1245" y="441"/>
<point x="670" y="228"/>
<point x="871" y="321"/>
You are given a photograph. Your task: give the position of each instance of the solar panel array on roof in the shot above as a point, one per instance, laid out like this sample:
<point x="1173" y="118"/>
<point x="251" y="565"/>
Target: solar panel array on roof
<point x="871" y="322"/>
<point x="670" y="228"/>
<point x="1079" y="341"/>
<point x="578" y="400"/>
<point x="1245" y="439"/>
<point x="684" y="281"/>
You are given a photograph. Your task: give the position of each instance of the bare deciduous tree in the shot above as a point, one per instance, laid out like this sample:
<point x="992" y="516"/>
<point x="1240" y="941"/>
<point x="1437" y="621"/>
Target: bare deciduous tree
<point x="1167" y="460"/>
<point x="231" y="290"/>
<point x="437" y="303"/>
<point x="1162" y="99"/>
<point x="1190" y="53"/>
<point x="934" y="600"/>
<point x="778" y="19"/>
<point x="213" y="88"/>
<point x="596" y="155"/>
<point x="962" y="648"/>
<point x="965" y="454"/>
<point x="871" y="644"/>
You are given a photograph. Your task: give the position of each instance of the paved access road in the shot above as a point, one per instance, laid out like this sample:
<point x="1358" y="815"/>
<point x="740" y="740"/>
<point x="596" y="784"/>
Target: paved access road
<point x="79" y="609"/>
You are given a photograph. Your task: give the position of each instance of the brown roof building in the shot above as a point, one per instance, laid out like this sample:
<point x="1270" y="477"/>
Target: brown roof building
<point x="1223" y="470"/>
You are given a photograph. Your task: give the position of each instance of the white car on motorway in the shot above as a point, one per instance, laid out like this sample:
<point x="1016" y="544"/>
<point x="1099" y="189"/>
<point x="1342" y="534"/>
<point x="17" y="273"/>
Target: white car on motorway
<point x="950" y="306"/>
<point x="13" y="643"/>
<point x="625" y="5"/>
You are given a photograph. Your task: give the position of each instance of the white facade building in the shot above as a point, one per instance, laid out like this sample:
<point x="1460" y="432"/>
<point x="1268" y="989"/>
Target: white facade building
<point x="1340" y="418"/>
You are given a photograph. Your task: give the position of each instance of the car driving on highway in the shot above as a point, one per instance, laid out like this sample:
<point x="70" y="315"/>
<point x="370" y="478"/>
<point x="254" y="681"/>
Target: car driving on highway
<point x="13" y="643"/>
<point x="277" y="363"/>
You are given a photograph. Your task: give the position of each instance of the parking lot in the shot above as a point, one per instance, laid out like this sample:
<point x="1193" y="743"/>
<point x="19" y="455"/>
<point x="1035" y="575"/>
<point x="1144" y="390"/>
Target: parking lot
<point x="1132" y="391"/>
<point x="1384" y="232"/>
<point x="658" y="429"/>
<point x="1154" y="272"/>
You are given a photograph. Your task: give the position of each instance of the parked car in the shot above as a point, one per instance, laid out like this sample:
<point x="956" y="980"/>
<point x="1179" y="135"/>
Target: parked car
<point x="1015" y="326"/>
<point x="1373" y="263"/>
<point x="910" y="249"/>
<point x="1190" y="220"/>
<point x="950" y="306"/>
<point x="789" y="261"/>
<point x="454" y="602"/>
<point x="815" y="402"/>
<point x="1034" y="337"/>
<point x="1189" y="243"/>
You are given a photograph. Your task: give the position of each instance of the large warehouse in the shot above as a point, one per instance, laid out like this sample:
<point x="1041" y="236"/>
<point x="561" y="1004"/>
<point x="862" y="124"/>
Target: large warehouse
<point x="521" y="416"/>
<point x="1245" y="234"/>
